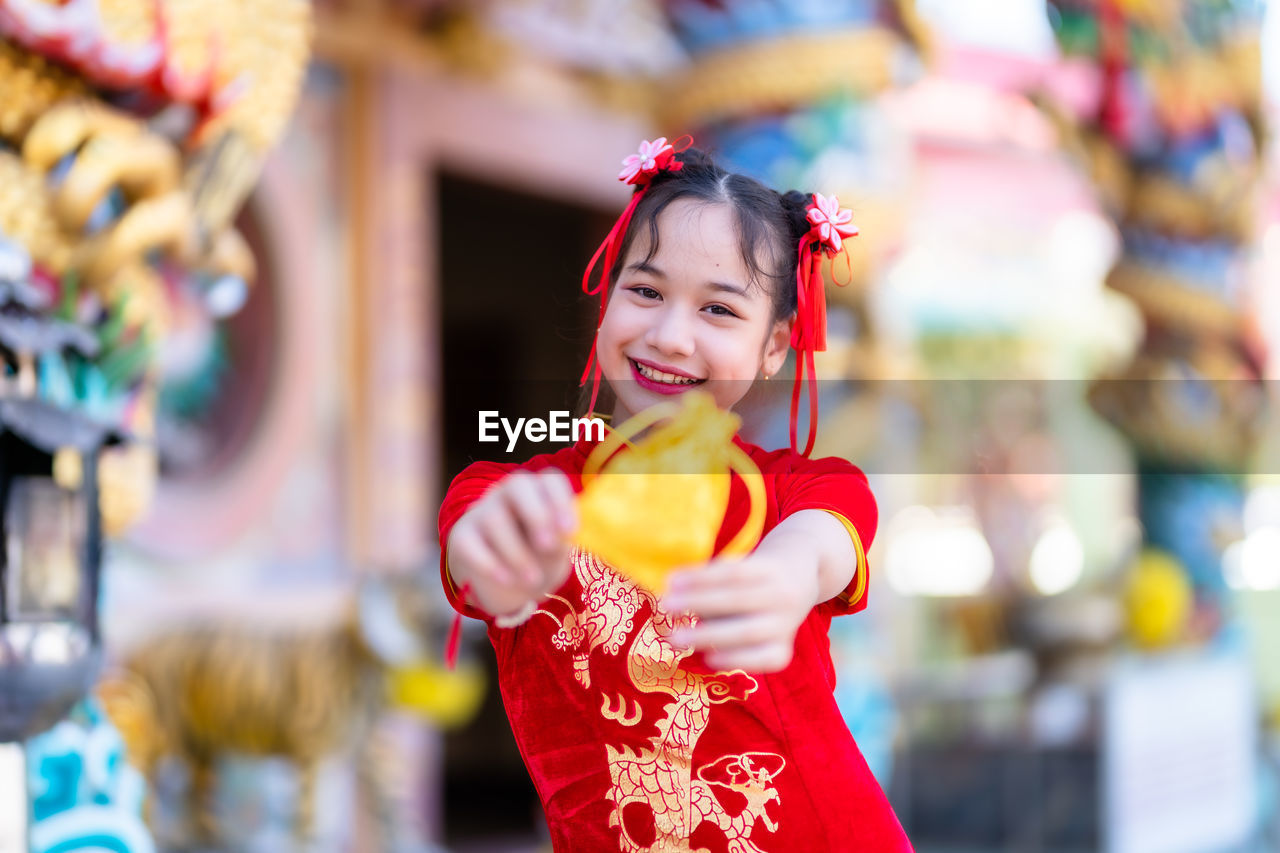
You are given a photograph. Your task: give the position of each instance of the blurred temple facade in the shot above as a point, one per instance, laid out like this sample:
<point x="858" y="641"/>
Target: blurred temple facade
<point x="1053" y="355"/>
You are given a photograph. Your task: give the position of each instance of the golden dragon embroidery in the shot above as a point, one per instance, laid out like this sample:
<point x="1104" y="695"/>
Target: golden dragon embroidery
<point x="660" y="776"/>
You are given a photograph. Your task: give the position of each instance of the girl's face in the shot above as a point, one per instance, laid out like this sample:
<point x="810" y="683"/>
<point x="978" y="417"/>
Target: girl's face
<point x="690" y="317"/>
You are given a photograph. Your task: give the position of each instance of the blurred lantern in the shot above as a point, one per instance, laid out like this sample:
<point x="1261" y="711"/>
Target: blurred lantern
<point x="50" y="557"/>
<point x="49" y="521"/>
<point x="48" y="573"/>
<point x="1159" y="601"/>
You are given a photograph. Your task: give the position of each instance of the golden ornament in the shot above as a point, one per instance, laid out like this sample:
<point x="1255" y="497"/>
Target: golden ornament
<point x="659" y="505"/>
<point x="1159" y="601"/>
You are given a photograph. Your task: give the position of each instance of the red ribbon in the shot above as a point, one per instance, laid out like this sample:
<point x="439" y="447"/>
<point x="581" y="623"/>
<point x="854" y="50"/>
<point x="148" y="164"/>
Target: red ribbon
<point x="609" y="249"/>
<point x="809" y="334"/>
<point x="613" y="244"/>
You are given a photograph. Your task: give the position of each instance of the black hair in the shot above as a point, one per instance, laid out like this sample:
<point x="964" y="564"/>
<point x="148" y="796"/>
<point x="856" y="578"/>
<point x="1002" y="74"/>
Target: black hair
<point x="764" y="218"/>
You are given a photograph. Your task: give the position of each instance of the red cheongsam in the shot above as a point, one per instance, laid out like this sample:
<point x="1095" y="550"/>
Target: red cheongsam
<point x="632" y="746"/>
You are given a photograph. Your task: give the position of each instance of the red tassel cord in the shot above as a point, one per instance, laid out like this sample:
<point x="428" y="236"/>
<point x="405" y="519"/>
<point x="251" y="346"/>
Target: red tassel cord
<point x="808" y="335"/>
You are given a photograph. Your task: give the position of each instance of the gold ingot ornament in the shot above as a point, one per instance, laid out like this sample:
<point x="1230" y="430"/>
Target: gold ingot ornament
<point x="658" y="505"/>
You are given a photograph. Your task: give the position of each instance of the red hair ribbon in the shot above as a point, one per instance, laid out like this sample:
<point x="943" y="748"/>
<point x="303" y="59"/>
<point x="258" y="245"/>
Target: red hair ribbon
<point x="829" y="224"/>
<point x="638" y="170"/>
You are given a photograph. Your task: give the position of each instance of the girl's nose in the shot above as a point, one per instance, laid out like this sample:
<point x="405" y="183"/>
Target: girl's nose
<point x="671" y="332"/>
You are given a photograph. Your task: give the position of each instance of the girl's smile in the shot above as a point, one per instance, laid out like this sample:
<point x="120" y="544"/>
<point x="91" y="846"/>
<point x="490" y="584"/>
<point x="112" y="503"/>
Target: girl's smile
<point x="662" y="379"/>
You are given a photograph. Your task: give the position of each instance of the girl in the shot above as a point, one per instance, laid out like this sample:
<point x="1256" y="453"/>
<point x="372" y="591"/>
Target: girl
<point x="634" y="741"/>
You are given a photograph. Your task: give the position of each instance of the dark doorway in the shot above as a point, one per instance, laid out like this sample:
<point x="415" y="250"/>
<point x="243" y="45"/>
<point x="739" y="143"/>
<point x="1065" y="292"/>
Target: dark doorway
<point x="515" y="333"/>
<point x="516" y="327"/>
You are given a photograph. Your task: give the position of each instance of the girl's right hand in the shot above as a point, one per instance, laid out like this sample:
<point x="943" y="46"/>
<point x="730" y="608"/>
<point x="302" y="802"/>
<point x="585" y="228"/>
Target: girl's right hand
<point x="512" y="546"/>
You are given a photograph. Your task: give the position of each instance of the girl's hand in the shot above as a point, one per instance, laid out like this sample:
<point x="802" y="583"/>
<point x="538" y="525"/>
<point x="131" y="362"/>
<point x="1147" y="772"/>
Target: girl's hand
<point x="512" y="546"/>
<point x="750" y="609"/>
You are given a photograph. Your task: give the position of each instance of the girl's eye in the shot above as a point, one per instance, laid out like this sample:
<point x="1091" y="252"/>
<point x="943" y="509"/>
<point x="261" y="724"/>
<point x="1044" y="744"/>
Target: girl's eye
<point x="720" y="311"/>
<point x="645" y="292"/>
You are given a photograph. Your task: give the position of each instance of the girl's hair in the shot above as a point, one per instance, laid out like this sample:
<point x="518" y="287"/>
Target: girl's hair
<point x="770" y="225"/>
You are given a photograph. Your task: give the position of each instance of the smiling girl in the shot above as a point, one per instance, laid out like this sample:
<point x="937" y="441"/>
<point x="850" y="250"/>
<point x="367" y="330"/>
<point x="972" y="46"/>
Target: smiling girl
<point x="703" y="720"/>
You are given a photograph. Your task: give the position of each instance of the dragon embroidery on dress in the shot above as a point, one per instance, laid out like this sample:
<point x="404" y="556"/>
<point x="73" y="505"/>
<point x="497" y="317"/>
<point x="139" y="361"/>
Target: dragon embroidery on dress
<point x="660" y="776"/>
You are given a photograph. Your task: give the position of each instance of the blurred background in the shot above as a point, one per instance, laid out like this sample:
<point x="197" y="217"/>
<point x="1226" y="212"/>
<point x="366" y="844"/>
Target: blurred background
<point x="1053" y="361"/>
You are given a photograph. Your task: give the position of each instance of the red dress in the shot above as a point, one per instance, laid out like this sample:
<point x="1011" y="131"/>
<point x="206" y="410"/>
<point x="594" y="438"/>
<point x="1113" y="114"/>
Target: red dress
<point x="634" y="746"/>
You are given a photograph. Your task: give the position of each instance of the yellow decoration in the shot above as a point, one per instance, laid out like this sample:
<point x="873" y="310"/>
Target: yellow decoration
<point x="131" y="708"/>
<point x="1158" y="600"/>
<point x="183" y="192"/>
<point x="126" y="486"/>
<point x="449" y="698"/>
<point x="68" y="469"/>
<point x="658" y="506"/>
<point x="779" y="73"/>
<point x="26" y="215"/>
<point x="29" y="85"/>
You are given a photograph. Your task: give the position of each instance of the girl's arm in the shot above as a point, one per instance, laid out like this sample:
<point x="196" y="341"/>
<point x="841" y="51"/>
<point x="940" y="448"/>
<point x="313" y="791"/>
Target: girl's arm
<point x="511" y="547"/>
<point x="751" y="608"/>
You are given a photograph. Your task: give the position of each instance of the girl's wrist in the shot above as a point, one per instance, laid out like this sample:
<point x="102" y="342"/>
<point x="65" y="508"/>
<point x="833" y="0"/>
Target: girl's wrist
<point x="517" y="617"/>
<point x="482" y="594"/>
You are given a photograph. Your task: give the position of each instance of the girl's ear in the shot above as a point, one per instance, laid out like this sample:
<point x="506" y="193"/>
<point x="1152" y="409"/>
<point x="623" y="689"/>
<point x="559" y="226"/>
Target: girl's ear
<point x="776" y="346"/>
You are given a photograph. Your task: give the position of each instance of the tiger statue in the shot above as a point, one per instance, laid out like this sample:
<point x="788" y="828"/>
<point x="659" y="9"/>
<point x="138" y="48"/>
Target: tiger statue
<point x="204" y="691"/>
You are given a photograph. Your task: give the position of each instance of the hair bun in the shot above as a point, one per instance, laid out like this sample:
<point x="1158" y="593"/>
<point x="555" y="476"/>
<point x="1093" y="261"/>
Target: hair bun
<point x="796" y="205"/>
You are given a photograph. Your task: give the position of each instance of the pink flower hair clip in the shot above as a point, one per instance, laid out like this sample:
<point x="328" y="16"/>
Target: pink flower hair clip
<point x="832" y="224"/>
<point x="654" y="157"/>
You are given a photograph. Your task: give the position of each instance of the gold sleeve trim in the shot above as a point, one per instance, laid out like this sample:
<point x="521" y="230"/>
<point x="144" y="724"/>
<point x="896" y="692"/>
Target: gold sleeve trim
<point x="455" y="593"/>
<point x="861" y="570"/>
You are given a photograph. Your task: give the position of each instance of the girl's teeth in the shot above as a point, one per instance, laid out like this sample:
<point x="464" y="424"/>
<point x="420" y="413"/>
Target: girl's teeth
<point x="659" y="376"/>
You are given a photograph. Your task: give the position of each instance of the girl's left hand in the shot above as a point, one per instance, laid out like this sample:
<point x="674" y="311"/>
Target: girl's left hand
<point x="749" y="610"/>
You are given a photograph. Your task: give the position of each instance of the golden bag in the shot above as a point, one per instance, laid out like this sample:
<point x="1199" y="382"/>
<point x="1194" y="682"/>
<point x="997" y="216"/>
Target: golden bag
<point x="658" y="505"/>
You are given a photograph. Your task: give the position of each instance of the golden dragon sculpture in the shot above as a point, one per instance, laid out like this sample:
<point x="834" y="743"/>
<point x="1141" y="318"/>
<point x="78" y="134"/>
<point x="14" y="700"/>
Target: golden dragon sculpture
<point x="131" y="132"/>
